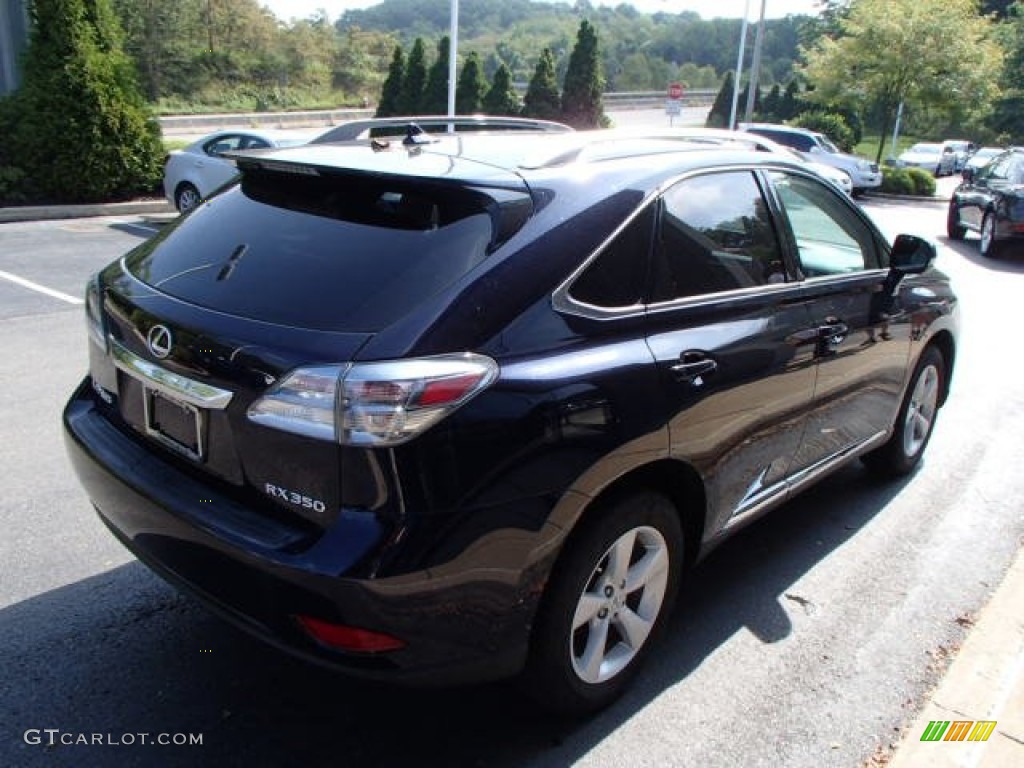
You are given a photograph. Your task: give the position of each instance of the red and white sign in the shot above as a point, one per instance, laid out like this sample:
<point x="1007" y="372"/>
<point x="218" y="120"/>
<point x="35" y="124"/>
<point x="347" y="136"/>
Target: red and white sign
<point x="675" y="90"/>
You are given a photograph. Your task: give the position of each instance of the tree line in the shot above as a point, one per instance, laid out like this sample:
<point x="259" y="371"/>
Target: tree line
<point x="411" y="88"/>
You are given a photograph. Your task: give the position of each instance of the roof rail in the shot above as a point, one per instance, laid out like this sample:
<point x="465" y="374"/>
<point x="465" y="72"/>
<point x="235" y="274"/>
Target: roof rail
<point x="399" y="126"/>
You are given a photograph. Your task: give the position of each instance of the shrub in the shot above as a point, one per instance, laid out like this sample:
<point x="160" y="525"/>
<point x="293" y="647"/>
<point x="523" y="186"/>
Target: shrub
<point x="897" y="181"/>
<point x="84" y="134"/>
<point x="831" y="124"/>
<point x="924" y="182"/>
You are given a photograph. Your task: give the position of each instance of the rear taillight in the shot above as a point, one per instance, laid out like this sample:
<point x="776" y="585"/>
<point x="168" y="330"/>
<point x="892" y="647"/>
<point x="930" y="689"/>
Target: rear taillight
<point x="94" y="314"/>
<point x="373" y="404"/>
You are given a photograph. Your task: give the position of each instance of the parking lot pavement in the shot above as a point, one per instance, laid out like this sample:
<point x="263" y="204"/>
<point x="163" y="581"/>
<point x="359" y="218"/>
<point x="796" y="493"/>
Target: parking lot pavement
<point x="809" y="640"/>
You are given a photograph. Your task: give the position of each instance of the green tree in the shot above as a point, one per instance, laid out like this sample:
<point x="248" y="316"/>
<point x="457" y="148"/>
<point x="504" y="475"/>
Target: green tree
<point x="85" y="132"/>
<point x="470" y="88"/>
<point x="435" y="97"/>
<point x="414" y="80"/>
<point x="770" y="108"/>
<point x="927" y="53"/>
<point x="501" y="99"/>
<point x="391" y="92"/>
<point x="721" y="109"/>
<point x="542" y="99"/>
<point x="584" y="82"/>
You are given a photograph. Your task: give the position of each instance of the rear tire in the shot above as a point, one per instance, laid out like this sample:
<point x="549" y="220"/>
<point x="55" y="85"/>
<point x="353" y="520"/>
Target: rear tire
<point x="186" y="197"/>
<point x="915" y="421"/>
<point x="954" y="229"/>
<point x="608" y="599"/>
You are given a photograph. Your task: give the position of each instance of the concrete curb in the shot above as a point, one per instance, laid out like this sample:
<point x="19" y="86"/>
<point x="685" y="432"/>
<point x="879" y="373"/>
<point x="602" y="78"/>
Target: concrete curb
<point x="985" y="682"/>
<point x="51" y="212"/>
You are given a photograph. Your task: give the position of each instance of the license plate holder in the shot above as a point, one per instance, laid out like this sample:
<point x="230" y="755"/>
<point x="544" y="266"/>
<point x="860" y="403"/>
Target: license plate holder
<point x="178" y="425"/>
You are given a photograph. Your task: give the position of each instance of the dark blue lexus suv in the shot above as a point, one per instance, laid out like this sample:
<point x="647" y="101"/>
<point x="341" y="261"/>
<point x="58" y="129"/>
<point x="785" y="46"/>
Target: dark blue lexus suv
<point x="468" y="407"/>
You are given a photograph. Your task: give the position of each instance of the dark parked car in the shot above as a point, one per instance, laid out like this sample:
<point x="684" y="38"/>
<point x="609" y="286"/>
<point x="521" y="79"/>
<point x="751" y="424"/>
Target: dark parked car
<point x="470" y="408"/>
<point x="990" y="201"/>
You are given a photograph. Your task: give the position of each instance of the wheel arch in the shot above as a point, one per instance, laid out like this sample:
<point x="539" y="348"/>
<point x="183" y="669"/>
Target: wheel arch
<point x="677" y="480"/>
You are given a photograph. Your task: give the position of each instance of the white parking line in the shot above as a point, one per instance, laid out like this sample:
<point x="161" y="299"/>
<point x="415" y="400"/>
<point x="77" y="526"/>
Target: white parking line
<point x="40" y="288"/>
<point x="142" y="228"/>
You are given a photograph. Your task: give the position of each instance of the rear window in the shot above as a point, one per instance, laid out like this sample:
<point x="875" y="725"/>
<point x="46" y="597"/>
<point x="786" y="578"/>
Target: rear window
<point x="345" y="254"/>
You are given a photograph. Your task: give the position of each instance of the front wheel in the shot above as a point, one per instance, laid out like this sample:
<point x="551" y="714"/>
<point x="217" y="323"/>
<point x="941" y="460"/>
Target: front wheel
<point x="915" y="421"/>
<point x="608" y="598"/>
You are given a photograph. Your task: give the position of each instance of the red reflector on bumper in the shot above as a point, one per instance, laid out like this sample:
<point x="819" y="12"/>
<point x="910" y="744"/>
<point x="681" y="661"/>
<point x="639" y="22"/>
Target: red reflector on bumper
<point x="349" y="638"/>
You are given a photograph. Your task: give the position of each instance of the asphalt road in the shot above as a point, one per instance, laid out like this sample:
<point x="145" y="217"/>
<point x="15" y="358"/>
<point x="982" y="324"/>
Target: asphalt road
<point x="808" y="640"/>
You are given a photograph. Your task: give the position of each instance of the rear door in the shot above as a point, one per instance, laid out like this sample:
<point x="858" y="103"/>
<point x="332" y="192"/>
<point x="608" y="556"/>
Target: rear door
<point x="862" y="344"/>
<point x="731" y="338"/>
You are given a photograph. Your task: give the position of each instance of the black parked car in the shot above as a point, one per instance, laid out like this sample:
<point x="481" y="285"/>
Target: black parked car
<point x="470" y="408"/>
<point x="990" y="201"/>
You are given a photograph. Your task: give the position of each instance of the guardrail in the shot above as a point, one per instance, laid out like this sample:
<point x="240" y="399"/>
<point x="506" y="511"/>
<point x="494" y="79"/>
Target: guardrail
<point x="183" y="125"/>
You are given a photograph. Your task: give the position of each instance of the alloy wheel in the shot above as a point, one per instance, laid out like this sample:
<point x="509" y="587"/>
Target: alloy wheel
<point x="619" y="605"/>
<point x="924" y="402"/>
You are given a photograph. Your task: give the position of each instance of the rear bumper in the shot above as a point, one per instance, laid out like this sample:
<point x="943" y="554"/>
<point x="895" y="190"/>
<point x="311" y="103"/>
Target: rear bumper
<point x="460" y="622"/>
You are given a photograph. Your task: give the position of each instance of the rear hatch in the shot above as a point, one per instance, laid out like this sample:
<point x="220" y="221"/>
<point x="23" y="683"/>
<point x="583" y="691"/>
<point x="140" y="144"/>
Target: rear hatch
<point x="295" y="268"/>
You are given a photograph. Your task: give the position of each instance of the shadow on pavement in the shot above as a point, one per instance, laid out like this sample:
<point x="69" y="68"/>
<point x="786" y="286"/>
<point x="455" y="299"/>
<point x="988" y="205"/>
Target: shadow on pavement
<point x="122" y="653"/>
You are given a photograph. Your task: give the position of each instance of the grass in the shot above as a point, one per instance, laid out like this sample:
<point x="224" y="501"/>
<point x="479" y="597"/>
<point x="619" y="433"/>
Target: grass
<point x="868" y="146"/>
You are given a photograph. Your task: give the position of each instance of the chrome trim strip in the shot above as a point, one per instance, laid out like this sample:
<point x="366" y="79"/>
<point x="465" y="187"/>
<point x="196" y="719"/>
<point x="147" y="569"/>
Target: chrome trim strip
<point x="813" y="472"/>
<point x="751" y="507"/>
<point x="171" y="384"/>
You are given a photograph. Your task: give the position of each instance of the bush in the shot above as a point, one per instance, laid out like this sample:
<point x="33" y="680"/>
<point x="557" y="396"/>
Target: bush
<point x="84" y="132"/>
<point x="897" y="181"/>
<point x="832" y="125"/>
<point x="924" y="182"/>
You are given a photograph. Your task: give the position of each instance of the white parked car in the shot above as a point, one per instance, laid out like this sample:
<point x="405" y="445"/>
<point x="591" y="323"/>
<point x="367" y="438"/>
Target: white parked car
<point x="194" y="173"/>
<point x="962" y="151"/>
<point x="934" y="158"/>
<point x="864" y="174"/>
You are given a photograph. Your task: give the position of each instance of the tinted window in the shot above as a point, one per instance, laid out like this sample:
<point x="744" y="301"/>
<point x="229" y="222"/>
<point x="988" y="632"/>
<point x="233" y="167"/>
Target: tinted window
<point x="795" y="140"/>
<point x="317" y="252"/>
<point x="830" y="237"/>
<point x="222" y="144"/>
<point x="616" y="278"/>
<point x="715" y="235"/>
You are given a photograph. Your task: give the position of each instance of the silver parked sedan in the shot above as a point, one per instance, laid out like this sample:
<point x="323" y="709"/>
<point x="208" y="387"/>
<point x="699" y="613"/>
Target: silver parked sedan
<point x="195" y="172"/>
<point x="934" y="158"/>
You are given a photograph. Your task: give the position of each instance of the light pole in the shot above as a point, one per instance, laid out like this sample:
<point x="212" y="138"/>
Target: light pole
<point x="755" y="66"/>
<point x="453" y="48"/>
<point x="739" y="66"/>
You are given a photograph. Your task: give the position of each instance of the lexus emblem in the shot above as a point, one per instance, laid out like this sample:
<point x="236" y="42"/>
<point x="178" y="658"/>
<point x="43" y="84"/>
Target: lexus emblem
<point x="160" y="341"/>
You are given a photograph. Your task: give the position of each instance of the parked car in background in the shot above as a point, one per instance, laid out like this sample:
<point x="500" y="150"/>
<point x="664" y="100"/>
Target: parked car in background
<point x="934" y="158"/>
<point x="864" y="174"/>
<point x="982" y="156"/>
<point x="192" y="174"/>
<point x="990" y="201"/>
<point x="962" y="151"/>
<point x="471" y="409"/>
<point x="753" y="141"/>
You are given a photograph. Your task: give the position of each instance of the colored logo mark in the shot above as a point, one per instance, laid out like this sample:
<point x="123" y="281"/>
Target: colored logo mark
<point x="958" y="730"/>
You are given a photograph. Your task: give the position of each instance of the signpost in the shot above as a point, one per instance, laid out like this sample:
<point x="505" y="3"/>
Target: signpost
<point x="674" y="103"/>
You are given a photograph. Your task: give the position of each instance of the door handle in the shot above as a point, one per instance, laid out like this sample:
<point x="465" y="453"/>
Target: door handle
<point x="833" y="331"/>
<point x="693" y="367"/>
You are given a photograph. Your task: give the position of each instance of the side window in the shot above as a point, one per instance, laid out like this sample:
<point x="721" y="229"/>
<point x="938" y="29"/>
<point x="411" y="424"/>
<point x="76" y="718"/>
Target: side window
<point x="222" y="144"/>
<point x="830" y="237"/>
<point x="996" y="170"/>
<point x="617" y="277"/>
<point x="715" y="235"/>
<point x="1016" y="173"/>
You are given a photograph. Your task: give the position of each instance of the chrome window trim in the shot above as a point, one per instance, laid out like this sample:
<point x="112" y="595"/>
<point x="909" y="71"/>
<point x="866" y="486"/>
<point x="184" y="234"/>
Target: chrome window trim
<point x="173" y="385"/>
<point x="563" y="302"/>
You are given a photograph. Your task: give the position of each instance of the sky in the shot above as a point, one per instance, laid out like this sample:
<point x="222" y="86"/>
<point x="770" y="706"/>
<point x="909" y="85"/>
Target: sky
<point x="287" y="9"/>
